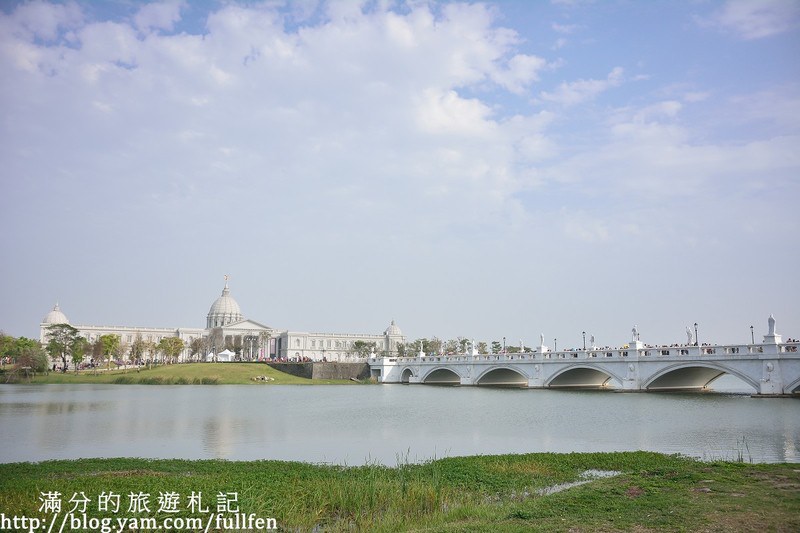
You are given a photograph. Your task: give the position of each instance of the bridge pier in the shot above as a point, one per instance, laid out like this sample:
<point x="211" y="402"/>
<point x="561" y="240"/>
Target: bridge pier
<point x="771" y="382"/>
<point x="631" y="382"/>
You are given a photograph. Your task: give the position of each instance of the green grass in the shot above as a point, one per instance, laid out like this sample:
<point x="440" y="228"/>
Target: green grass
<point x="185" y="374"/>
<point x="653" y="492"/>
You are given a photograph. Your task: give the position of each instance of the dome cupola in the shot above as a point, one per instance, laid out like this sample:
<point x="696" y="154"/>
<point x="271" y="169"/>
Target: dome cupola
<point x="55" y="316"/>
<point x="393" y="330"/>
<point x="224" y="310"/>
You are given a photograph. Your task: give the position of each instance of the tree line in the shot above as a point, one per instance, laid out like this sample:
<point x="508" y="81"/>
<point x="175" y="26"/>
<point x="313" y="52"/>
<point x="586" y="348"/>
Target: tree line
<point x="65" y="344"/>
<point x="459" y="345"/>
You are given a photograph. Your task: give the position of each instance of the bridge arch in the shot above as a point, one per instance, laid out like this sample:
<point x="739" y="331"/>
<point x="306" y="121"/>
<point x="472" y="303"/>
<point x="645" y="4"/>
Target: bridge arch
<point x="693" y="375"/>
<point x="582" y="376"/>
<point x="442" y="375"/>
<point x="503" y="376"/>
<point x="793" y="388"/>
<point x="406" y="375"/>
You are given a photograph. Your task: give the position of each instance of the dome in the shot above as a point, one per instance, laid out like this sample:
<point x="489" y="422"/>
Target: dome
<point x="393" y="330"/>
<point x="224" y="310"/>
<point x="55" y="317"/>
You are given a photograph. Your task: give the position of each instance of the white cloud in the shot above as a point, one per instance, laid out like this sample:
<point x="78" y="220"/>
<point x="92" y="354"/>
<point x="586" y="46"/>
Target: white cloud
<point x="521" y="71"/>
<point x="403" y="133"/>
<point x="576" y="92"/>
<point x="583" y="227"/>
<point x="696" y="96"/>
<point x="564" y="28"/>
<point x="159" y="16"/>
<point x="446" y="112"/>
<point x="42" y="20"/>
<point x="751" y="19"/>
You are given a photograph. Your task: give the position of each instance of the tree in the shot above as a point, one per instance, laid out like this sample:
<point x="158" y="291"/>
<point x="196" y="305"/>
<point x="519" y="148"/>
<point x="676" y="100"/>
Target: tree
<point x="199" y="347"/>
<point x="7" y="344"/>
<point x="434" y="346"/>
<point x="401" y="349"/>
<point x="138" y="349"/>
<point x="61" y="340"/>
<point x="171" y="347"/>
<point x="79" y="349"/>
<point x="452" y="346"/>
<point x="122" y="351"/>
<point x="110" y="344"/>
<point x="151" y="348"/>
<point x="217" y="341"/>
<point x="413" y="347"/>
<point x="31" y="355"/>
<point x="96" y="351"/>
<point x="363" y="348"/>
<point x="23" y="352"/>
<point x="496" y="346"/>
<point x="482" y="347"/>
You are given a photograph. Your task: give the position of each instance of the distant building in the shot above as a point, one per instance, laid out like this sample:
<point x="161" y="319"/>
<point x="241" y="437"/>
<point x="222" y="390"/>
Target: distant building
<point x="227" y="328"/>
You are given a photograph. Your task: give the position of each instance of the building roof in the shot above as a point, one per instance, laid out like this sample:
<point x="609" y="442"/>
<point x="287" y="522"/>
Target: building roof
<point x="55" y="317"/>
<point x="225" y="307"/>
<point x="392" y="330"/>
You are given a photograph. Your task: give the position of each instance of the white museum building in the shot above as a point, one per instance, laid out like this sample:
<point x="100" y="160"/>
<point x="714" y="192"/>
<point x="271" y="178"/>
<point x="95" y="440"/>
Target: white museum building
<point x="228" y="335"/>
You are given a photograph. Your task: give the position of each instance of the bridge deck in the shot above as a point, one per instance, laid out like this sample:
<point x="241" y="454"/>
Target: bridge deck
<point x="769" y="368"/>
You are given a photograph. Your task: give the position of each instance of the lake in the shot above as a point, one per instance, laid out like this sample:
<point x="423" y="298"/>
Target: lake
<point x="383" y="423"/>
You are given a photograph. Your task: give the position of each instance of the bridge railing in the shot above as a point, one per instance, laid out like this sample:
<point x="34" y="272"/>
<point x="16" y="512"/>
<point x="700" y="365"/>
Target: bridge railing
<point x="735" y="350"/>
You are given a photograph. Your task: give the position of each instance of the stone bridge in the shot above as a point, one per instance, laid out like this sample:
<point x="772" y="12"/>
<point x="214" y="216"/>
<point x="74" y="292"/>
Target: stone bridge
<point x="771" y="369"/>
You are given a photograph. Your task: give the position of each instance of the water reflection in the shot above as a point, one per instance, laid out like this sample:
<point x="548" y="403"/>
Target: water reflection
<point x="357" y="424"/>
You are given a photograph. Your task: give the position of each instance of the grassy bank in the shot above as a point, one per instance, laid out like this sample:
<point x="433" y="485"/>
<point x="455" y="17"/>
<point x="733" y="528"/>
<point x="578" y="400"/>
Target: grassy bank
<point x="651" y="492"/>
<point x="184" y="374"/>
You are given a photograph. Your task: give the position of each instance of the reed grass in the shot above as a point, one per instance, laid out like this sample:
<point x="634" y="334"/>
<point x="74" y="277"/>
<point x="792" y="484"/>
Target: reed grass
<point x="652" y="492"/>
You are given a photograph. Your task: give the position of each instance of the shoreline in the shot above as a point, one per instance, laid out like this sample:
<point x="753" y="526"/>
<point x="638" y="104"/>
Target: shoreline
<point x="248" y="373"/>
<point x="542" y="492"/>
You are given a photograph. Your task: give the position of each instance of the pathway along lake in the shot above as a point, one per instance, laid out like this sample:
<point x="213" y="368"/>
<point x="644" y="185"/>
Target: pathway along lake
<point x="358" y="424"/>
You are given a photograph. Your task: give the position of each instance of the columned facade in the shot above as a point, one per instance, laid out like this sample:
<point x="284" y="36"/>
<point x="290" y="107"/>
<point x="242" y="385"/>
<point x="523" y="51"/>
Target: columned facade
<point x="228" y="329"/>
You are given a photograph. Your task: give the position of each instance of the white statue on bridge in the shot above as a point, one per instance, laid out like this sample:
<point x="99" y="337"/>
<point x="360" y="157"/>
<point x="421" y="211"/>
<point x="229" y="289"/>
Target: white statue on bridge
<point x="689" y="338"/>
<point x="635" y="333"/>
<point x="771" y="337"/>
<point x="473" y="348"/>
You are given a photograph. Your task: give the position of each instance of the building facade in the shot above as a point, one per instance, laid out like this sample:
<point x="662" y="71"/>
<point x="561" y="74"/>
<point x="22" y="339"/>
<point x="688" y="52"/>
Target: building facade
<point x="228" y="329"/>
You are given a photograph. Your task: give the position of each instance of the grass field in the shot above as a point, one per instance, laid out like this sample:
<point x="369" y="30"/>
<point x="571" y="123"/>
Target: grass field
<point x="651" y="492"/>
<point x="188" y="374"/>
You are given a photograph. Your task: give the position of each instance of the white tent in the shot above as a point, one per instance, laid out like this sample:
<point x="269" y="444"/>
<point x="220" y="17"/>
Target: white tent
<point x="225" y="356"/>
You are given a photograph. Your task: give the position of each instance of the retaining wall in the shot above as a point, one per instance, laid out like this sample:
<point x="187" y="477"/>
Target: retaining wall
<point x="329" y="370"/>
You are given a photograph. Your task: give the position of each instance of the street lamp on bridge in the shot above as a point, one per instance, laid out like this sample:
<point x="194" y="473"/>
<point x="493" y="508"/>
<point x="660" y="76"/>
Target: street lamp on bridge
<point x="752" y="336"/>
<point x="584" y="340"/>
<point x="696" y="340"/>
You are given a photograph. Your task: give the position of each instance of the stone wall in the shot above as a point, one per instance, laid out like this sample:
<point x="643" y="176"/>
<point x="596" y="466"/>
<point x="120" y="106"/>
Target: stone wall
<point x="324" y="370"/>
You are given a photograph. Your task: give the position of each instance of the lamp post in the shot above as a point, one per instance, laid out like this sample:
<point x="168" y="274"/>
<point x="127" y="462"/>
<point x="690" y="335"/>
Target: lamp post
<point x="752" y="336"/>
<point x="504" y="345"/>
<point x="584" y="340"/>
<point x="696" y="340"/>
<point x="555" y="345"/>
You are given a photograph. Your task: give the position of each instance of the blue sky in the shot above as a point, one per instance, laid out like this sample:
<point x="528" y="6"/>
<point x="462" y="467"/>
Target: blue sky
<point x="489" y="170"/>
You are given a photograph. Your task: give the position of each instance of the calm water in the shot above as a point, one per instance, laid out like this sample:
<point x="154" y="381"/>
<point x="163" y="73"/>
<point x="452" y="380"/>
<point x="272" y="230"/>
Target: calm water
<point x="358" y="424"/>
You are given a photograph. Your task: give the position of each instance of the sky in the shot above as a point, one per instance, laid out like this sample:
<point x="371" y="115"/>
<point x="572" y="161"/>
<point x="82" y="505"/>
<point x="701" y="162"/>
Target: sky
<point x="485" y="170"/>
